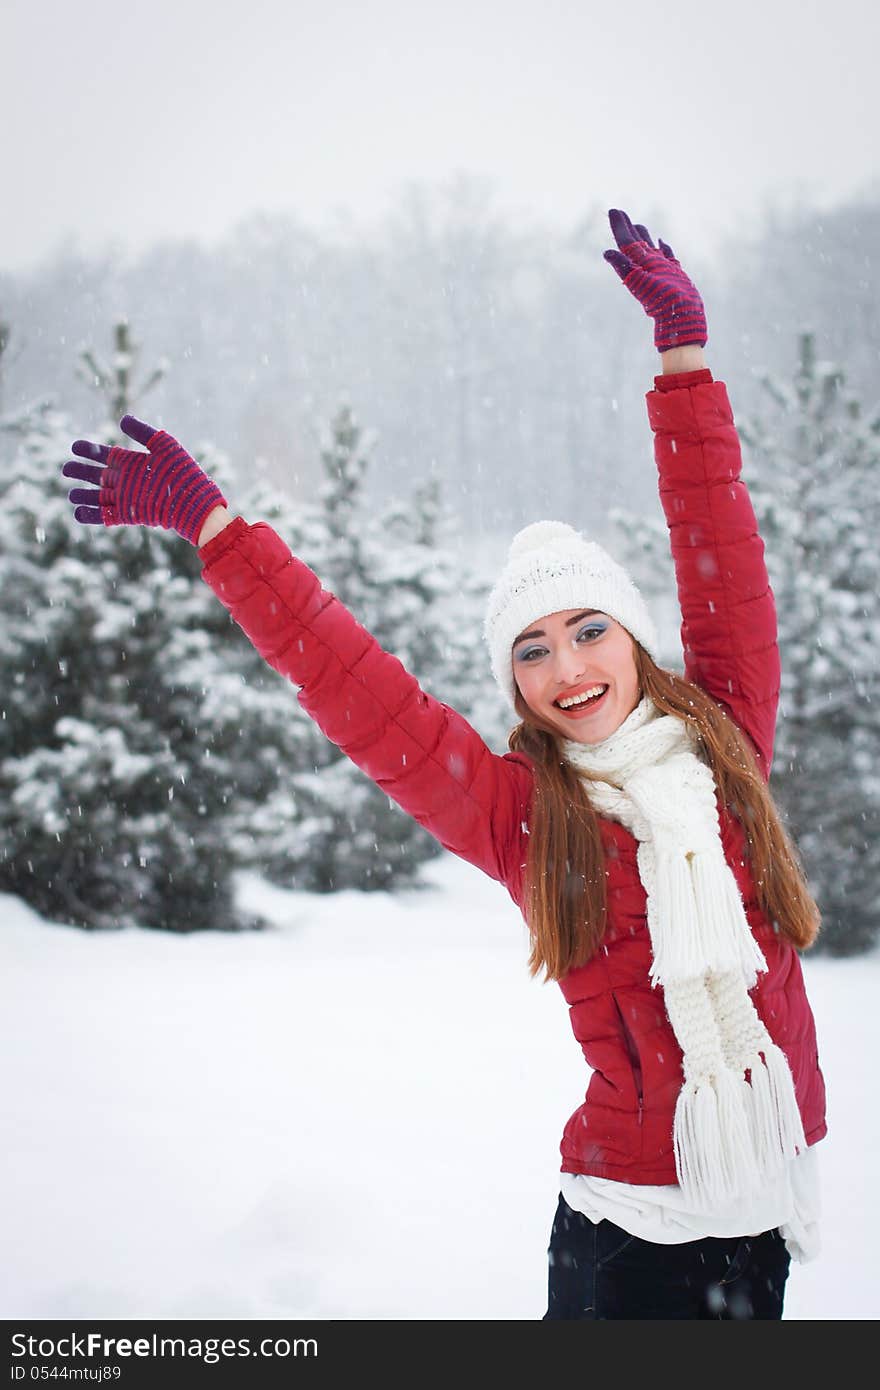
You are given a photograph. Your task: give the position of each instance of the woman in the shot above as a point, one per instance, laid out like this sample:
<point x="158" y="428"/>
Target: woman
<point x="631" y="822"/>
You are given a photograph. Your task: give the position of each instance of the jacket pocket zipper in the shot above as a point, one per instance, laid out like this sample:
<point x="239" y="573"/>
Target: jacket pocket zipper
<point x="633" y="1055"/>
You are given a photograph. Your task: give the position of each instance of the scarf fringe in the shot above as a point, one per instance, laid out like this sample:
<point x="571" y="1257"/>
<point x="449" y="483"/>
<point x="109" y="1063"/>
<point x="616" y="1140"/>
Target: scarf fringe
<point x="704" y="926"/>
<point x="714" y="1154"/>
<point x="730" y="1133"/>
<point x="777" y="1127"/>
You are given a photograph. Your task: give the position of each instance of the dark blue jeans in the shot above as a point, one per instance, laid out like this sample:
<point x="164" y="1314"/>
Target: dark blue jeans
<point x="601" y="1272"/>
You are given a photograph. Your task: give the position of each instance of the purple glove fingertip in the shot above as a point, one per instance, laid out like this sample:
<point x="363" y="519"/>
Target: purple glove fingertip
<point x="85" y="449"/>
<point x="624" y="231"/>
<point x="621" y="263"/>
<point x="137" y="430"/>
<point x="85" y="472"/>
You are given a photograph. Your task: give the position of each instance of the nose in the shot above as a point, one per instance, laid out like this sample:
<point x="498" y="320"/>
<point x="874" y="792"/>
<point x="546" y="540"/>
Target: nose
<point x="570" y="663"/>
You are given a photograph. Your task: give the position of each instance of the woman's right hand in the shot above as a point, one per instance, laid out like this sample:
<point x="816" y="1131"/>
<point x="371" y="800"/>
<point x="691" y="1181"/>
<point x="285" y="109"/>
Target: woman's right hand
<point x="162" y="487"/>
<point x="655" y="278"/>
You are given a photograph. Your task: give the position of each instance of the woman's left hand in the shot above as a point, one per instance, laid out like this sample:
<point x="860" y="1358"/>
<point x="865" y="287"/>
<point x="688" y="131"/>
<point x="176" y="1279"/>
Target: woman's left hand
<point x="162" y="487"/>
<point x="655" y="278"/>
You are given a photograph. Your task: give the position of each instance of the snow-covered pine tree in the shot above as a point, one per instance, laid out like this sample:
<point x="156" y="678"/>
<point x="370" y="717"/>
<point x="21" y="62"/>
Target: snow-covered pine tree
<point x="435" y="624"/>
<point x="114" y="781"/>
<point x="277" y="816"/>
<point x="423" y="605"/>
<point x="641" y="544"/>
<point x="352" y="834"/>
<point x="813" y="464"/>
<point x="114" y="379"/>
<point x="5" y="331"/>
<point x="121" y="737"/>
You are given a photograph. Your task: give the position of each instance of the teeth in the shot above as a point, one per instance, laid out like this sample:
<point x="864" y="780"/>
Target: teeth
<point x="581" y="699"/>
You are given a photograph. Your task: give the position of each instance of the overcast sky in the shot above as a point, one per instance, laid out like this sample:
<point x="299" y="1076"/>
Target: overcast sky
<point x="130" y="120"/>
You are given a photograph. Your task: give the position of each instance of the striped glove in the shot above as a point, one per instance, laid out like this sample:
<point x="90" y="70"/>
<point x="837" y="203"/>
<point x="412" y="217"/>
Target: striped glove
<point x="653" y="275"/>
<point x="163" y="487"/>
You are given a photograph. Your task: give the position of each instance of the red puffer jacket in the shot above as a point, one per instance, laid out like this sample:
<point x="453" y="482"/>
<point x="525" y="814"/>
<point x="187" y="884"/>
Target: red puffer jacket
<point x="477" y="803"/>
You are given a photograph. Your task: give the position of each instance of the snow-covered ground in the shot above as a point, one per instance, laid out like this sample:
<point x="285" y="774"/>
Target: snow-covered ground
<point x="353" y="1115"/>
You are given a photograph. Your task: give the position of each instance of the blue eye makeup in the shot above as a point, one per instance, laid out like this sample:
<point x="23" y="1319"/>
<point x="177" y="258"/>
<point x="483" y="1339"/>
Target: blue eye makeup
<point x="594" y="627"/>
<point x="587" y="633"/>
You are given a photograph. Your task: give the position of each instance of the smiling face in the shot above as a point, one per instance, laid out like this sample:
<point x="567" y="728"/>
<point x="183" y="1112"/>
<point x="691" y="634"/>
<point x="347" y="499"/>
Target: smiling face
<point x="577" y="670"/>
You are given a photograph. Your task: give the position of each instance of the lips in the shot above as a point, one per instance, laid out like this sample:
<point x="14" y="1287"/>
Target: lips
<point x="583" y="708"/>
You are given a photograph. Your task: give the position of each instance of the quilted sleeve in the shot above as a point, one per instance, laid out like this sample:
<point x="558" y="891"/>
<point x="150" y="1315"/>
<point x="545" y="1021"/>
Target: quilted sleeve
<point x="419" y="751"/>
<point x="728" y="612"/>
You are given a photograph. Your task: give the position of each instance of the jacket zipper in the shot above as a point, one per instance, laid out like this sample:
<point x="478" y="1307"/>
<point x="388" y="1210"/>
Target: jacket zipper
<point x="633" y="1055"/>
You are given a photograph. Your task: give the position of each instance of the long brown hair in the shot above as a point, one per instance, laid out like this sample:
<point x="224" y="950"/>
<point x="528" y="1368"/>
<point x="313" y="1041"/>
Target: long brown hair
<point x="565" y="866"/>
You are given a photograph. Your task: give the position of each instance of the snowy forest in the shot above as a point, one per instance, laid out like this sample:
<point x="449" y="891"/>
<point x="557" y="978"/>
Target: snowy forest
<point x="396" y="406"/>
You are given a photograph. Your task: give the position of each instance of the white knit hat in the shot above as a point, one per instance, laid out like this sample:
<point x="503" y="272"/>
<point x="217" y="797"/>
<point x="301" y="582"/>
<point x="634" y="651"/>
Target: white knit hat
<point x="550" y="568"/>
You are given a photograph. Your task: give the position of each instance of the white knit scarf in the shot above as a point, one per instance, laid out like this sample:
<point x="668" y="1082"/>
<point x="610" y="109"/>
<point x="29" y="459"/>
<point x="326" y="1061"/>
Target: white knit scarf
<point x="731" y="1132"/>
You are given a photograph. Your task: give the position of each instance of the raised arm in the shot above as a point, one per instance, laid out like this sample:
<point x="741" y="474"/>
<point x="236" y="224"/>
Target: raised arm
<point x="728" y="629"/>
<point x="420" y="752"/>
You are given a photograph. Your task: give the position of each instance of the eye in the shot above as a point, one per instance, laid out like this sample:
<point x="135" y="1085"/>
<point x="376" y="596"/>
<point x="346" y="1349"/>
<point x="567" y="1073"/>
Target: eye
<point x="527" y="653"/>
<point x="590" y="631"/>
